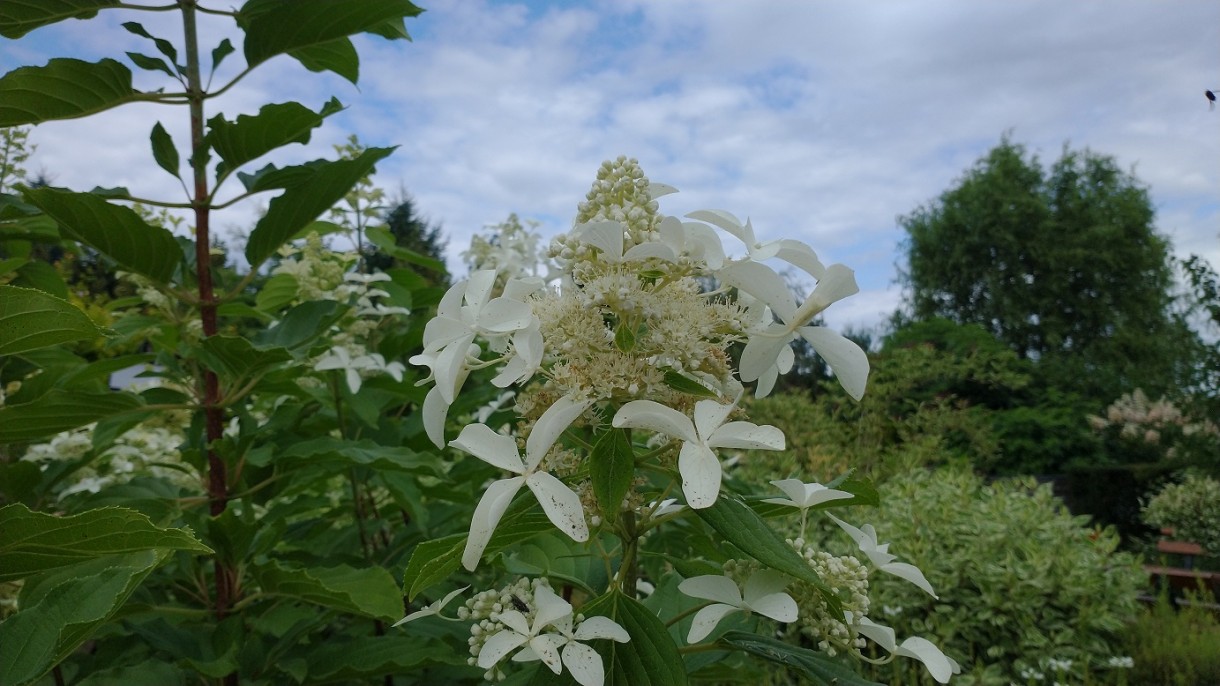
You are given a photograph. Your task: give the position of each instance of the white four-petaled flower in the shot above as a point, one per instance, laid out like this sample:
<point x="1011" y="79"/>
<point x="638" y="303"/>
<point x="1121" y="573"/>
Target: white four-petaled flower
<point x="939" y="665"/>
<point x="866" y="538"/>
<point x="560" y="504"/>
<point x="697" y="461"/>
<point x="763" y="594"/>
<point x="557" y="649"/>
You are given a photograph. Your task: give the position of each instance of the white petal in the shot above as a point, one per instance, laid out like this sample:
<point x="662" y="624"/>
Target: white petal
<point x="604" y="235"/>
<point x="560" y="504"/>
<point x="426" y="612"/>
<point x="715" y="587"/>
<point x="848" y="362"/>
<point x="522" y="287"/>
<point x="549" y="608"/>
<point x="763" y="283"/>
<point x="724" y="220"/>
<point x="653" y="416"/>
<point x="550" y="425"/>
<point x="794" y="489"/>
<point x="546" y="647"/>
<point x="763" y="583"/>
<point x="862" y="539"/>
<point x="500" y="644"/>
<point x="700" y="470"/>
<point x="762" y="354"/>
<point x="939" y="666"/>
<point x="672" y="234"/>
<point x="478" y="287"/>
<point x="503" y="315"/>
<point x="450" y="306"/>
<point x="435" y="412"/>
<point x="495" y="449"/>
<point x="778" y="606"/>
<point x="911" y="573"/>
<point x="705" y="621"/>
<point x="656" y="190"/>
<point x="516" y="621"/>
<point x="584" y="664"/>
<point x="802" y="256"/>
<point x="353" y="380"/>
<point x="487" y="515"/>
<point x="747" y="436"/>
<point x="645" y="251"/>
<point x="450" y="367"/>
<point x="838" y="283"/>
<point x="440" y="331"/>
<point x="766" y="380"/>
<point x="703" y="243"/>
<point x="601" y="627"/>
<point x="882" y="635"/>
<point x="709" y="415"/>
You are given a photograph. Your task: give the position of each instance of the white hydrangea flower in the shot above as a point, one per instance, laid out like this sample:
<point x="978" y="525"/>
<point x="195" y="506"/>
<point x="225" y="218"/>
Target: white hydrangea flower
<point x="939" y="665"/>
<point x="763" y="594"/>
<point x="879" y="555"/>
<point x="697" y="461"/>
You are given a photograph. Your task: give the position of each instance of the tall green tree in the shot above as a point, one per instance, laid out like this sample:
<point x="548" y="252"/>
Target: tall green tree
<point x="1062" y="264"/>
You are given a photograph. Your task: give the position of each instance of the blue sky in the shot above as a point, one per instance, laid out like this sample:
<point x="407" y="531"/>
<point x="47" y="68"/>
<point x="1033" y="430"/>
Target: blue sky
<point x="818" y="120"/>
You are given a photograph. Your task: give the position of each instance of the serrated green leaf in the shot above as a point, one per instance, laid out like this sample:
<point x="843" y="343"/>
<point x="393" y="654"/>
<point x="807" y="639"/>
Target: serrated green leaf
<point x="300" y="326"/>
<point x="611" y="468"/>
<point x="45" y="632"/>
<point x="63" y="89"/>
<point x="369" y="591"/>
<point x="60" y="410"/>
<point x="650" y="658"/>
<point x="31" y="319"/>
<point x="249" y="137"/>
<point x="19" y="17"/>
<point x="817" y="667"/>
<point x="303" y="202"/>
<point x="306" y="23"/>
<point x="114" y="230"/>
<point x="149" y="63"/>
<point x="234" y="357"/>
<point x="433" y="561"/>
<point x="740" y="525"/>
<point x="42" y="276"/>
<point x="330" y="452"/>
<point x="164" y="151"/>
<point x="338" y="56"/>
<point x="685" y="384"/>
<point x="11" y="265"/>
<point x="34" y="542"/>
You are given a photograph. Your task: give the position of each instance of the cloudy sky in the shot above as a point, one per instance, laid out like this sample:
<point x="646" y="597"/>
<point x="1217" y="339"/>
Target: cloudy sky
<point x="818" y="120"/>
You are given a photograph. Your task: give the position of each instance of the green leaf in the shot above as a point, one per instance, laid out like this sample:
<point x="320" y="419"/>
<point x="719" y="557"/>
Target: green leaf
<point x="31" y="319"/>
<point x="373" y="656"/>
<point x="744" y="528"/>
<point x="328" y="453"/>
<point x="220" y="52"/>
<point x="305" y="23"/>
<point x="251" y="136"/>
<point x="163" y="46"/>
<point x="42" y="276"/>
<point x="433" y="561"/>
<point x="558" y="558"/>
<point x="149" y="63"/>
<point x="650" y="658"/>
<point x="237" y="359"/>
<point x="115" y="230"/>
<point x="624" y="337"/>
<point x="33" y="542"/>
<point x="680" y="382"/>
<point x="164" y="151"/>
<point x="383" y="239"/>
<point x="19" y="17"/>
<point x="65" y="615"/>
<point x="369" y="591"/>
<point x="818" y="667"/>
<point x="60" y="410"/>
<point x="63" y="89"/>
<point x="301" y="325"/>
<point x="302" y="202"/>
<point x="611" y="468"/>
<point x="277" y="292"/>
<point x="338" y="55"/>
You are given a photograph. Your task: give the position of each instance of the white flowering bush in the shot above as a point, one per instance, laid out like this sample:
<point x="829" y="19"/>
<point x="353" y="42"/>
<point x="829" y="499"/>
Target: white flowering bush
<point x="627" y="380"/>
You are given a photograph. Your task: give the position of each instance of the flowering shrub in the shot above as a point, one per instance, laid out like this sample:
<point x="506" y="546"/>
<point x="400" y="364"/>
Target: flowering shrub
<point x="1159" y="430"/>
<point x="626" y="395"/>
<point x="1191" y="508"/>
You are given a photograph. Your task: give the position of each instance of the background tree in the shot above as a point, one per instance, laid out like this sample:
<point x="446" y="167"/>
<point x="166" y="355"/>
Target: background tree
<point x="1063" y="265"/>
<point x="416" y="233"/>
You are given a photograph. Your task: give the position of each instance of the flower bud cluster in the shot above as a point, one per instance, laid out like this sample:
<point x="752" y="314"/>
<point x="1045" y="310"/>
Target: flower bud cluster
<point x="484" y="608"/>
<point x="847" y="578"/>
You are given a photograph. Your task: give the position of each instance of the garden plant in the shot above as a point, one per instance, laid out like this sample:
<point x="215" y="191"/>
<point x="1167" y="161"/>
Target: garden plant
<point x="246" y="511"/>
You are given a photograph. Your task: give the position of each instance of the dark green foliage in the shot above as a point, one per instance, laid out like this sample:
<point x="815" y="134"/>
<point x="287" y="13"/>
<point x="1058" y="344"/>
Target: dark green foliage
<point x="415" y="233"/>
<point x="1063" y="265"/>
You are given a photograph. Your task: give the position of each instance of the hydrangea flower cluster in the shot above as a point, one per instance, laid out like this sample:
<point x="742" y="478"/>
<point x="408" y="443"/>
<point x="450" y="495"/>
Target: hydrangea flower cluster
<point x="631" y="338"/>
